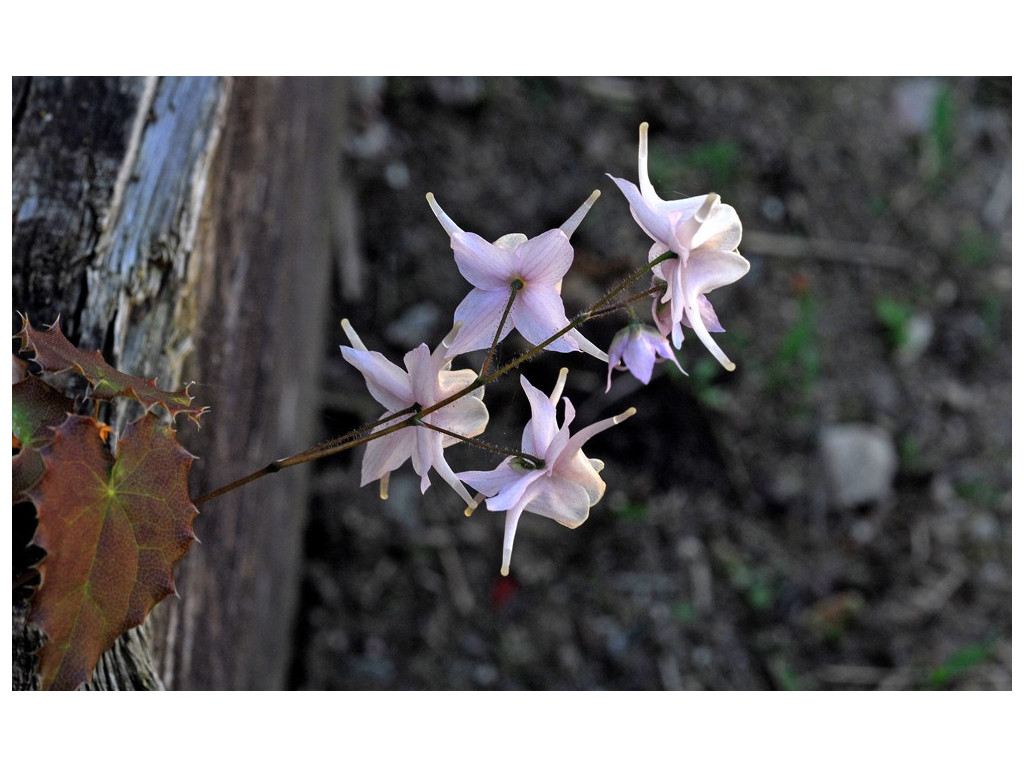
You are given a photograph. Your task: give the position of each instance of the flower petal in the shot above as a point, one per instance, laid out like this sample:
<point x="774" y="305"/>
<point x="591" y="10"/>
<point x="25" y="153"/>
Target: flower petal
<point x="657" y="250"/>
<point x="619" y="343"/>
<point x="353" y="337"/>
<point x="544" y="259"/>
<point x="675" y="291"/>
<point x="511" y="241"/>
<point x="422" y="375"/>
<point x="707" y="314"/>
<point x="513" y="493"/>
<point x="649" y="218"/>
<point x="490" y="482"/>
<point x="577" y="218"/>
<point x="430" y="455"/>
<point x="646" y="188"/>
<point x="385" y="454"/>
<point x="539" y="314"/>
<point x="389" y="384"/>
<point x="696" y="321"/>
<point x="587" y="346"/>
<point x="662" y="316"/>
<point x="558" y="442"/>
<point x="576" y="442"/>
<point x="583" y="472"/>
<point x="426" y="452"/>
<point x="446" y="221"/>
<point x="639" y="357"/>
<point x="708" y="269"/>
<point x="511" y="523"/>
<point x="448" y="475"/>
<point x="721" y="231"/>
<point x="450" y="382"/>
<point x="484" y="264"/>
<point x="467" y="416"/>
<point x="540" y="430"/>
<point x="478" y="315"/>
<point x="562" y="500"/>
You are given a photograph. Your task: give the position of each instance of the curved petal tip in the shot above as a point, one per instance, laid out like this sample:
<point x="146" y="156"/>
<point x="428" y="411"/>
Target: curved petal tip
<point x="577" y="218"/>
<point x="449" y="226"/>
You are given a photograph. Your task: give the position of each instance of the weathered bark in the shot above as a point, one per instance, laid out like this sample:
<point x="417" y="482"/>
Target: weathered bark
<point x="265" y="250"/>
<point x="181" y="226"/>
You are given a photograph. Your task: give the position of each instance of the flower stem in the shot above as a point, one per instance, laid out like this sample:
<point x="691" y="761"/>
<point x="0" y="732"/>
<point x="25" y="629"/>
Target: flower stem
<point x="631" y="278"/>
<point x="627" y="303"/>
<point x="535" y="462"/>
<point x="517" y="286"/>
<point x="351" y="439"/>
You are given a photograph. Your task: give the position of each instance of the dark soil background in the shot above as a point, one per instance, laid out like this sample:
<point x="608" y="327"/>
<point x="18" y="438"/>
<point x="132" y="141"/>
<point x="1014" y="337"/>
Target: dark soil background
<point x="733" y="549"/>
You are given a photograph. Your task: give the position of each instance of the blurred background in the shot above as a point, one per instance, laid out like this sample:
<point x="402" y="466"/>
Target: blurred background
<point x="835" y="514"/>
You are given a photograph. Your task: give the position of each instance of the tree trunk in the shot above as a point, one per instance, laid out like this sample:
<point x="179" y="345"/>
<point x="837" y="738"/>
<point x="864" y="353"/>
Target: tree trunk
<point x="181" y="226"/>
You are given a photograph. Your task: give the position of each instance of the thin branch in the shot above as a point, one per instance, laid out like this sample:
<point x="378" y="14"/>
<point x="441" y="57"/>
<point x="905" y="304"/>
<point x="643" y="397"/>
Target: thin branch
<point x="517" y="286"/>
<point x="537" y="463"/>
<point x="330" y="447"/>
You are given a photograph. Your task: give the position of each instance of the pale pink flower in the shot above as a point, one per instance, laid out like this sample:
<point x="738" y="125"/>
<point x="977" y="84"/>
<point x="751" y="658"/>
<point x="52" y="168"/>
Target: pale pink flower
<point x="638" y="347"/>
<point x="534" y="266"/>
<point x="565" y="485"/>
<point x="704" y="234"/>
<point x="426" y="380"/>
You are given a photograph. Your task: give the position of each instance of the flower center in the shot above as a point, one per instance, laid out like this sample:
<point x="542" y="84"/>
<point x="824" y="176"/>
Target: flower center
<point x="525" y="464"/>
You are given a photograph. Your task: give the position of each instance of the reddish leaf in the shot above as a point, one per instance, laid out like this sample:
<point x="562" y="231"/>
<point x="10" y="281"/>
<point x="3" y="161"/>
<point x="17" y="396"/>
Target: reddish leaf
<point x="112" y="530"/>
<point x="55" y="354"/>
<point x="20" y="370"/>
<point x="36" y="408"/>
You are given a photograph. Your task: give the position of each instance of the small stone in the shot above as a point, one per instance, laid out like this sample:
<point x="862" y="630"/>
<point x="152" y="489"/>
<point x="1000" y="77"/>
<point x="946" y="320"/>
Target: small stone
<point x="984" y="528"/>
<point x="863" y="531"/>
<point x="884" y="390"/>
<point x="485" y="675"/>
<point x="788" y="483"/>
<point x="459" y="92"/>
<point x="920" y="329"/>
<point x="397" y="175"/>
<point x="860" y="463"/>
<point x="773" y="208"/>
<point x="614" y="90"/>
<point x="914" y="104"/>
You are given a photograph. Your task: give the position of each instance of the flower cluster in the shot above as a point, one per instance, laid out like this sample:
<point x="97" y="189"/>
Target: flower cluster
<point x="516" y="285"/>
<point x="702" y="233"/>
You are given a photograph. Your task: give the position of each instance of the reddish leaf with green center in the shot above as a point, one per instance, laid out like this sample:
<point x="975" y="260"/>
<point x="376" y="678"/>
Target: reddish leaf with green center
<point x="55" y="354"/>
<point x="112" y="530"/>
<point x="36" y="408"/>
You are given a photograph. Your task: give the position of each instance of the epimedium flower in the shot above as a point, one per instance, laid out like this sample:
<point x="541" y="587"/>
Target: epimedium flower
<point x="519" y="276"/>
<point x="426" y="380"/>
<point x="703" y="234"/>
<point x="553" y="478"/>
<point x="637" y="347"/>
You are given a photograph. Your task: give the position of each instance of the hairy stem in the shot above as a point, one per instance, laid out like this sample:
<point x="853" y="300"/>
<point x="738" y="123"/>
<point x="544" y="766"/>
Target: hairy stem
<point x="536" y="463"/>
<point x="517" y="286"/>
<point x="330" y="447"/>
<point x="631" y="278"/>
<point x="627" y="303"/>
